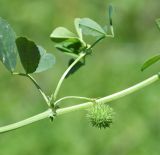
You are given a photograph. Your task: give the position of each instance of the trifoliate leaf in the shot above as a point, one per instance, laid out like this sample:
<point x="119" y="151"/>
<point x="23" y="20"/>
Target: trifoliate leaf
<point x="33" y="58"/>
<point x="46" y="62"/>
<point x="78" y="29"/>
<point x="90" y="27"/>
<point x="150" y="62"/>
<point x="71" y="46"/>
<point x="8" y="51"/>
<point x="61" y="34"/>
<point x="29" y="54"/>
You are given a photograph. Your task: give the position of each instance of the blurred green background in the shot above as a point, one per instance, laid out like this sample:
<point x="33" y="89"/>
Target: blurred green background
<point x="114" y="65"/>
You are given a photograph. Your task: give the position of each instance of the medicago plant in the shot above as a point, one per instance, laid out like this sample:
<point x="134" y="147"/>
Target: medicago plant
<point x="35" y="59"/>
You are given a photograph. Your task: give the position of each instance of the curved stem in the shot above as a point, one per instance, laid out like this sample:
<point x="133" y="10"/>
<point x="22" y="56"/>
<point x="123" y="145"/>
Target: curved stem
<point x="54" y="96"/>
<point x="37" y="86"/>
<point x="85" y="105"/>
<point x="112" y="97"/>
<point x="56" y="104"/>
<point x="98" y="40"/>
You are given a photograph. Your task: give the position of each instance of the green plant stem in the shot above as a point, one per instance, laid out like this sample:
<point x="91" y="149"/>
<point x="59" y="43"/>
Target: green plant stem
<point x="57" y="103"/>
<point x="37" y="86"/>
<point x="97" y="41"/>
<point x="85" y="105"/>
<point x="25" y="122"/>
<point x="112" y="32"/>
<point x="54" y="96"/>
<point x="112" y="97"/>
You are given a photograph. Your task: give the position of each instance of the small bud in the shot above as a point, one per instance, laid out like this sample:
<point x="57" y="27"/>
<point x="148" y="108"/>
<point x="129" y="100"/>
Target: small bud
<point x="101" y="115"/>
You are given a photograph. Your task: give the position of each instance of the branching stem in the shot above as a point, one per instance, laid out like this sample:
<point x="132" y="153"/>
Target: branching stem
<point x="83" y="54"/>
<point x="85" y="105"/>
<point x="54" y="96"/>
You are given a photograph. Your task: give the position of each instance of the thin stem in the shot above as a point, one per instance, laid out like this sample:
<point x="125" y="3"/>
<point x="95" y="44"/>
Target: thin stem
<point x="37" y="86"/>
<point x="57" y="103"/>
<point x="54" y="96"/>
<point x="112" y="97"/>
<point x="40" y="89"/>
<point x="27" y="121"/>
<point x="85" y="105"/>
<point x="98" y="40"/>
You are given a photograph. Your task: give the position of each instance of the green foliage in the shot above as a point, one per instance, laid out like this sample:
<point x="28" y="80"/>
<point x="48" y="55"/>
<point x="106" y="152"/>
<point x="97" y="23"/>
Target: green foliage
<point x="100" y="115"/>
<point x="61" y="34"/>
<point x="29" y="54"/>
<point x="72" y="46"/>
<point x="150" y="62"/>
<point x="154" y="59"/>
<point x="78" y="29"/>
<point x="46" y="62"/>
<point x="90" y="27"/>
<point x="68" y="42"/>
<point x="136" y="131"/>
<point x="8" y="54"/>
<point x="33" y="58"/>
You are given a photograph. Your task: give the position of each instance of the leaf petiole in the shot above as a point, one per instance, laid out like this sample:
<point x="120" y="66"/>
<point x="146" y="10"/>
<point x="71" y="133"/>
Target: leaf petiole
<point x="37" y="86"/>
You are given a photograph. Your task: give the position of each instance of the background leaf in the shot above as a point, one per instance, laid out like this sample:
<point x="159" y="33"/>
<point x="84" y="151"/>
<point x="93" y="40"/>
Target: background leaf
<point x="150" y="62"/>
<point x="8" y="53"/>
<point x="47" y="60"/>
<point x="61" y="33"/>
<point x="29" y="54"/>
<point x="90" y="27"/>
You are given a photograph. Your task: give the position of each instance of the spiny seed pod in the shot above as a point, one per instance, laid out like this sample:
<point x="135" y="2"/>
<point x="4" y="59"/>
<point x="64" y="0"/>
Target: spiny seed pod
<point x="101" y="115"/>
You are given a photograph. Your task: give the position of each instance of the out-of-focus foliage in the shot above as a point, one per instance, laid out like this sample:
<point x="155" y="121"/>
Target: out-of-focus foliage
<point x="114" y="65"/>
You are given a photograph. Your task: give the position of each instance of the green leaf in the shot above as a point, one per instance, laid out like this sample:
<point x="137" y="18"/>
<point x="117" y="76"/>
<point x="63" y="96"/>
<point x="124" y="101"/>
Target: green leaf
<point x="78" y="29"/>
<point x="158" y="22"/>
<point x="29" y="54"/>
<point x="8" y="52"/>
<point x="90" y="27"/>
<point x="61" y="34"/>
<point x="150" y="62"/>
<point x="76" y="67"/>
<point x="47" y="60"/>
<point x="62" y="48"/>
<point x="33" y="58"/>
<point x="74" y="46"/>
